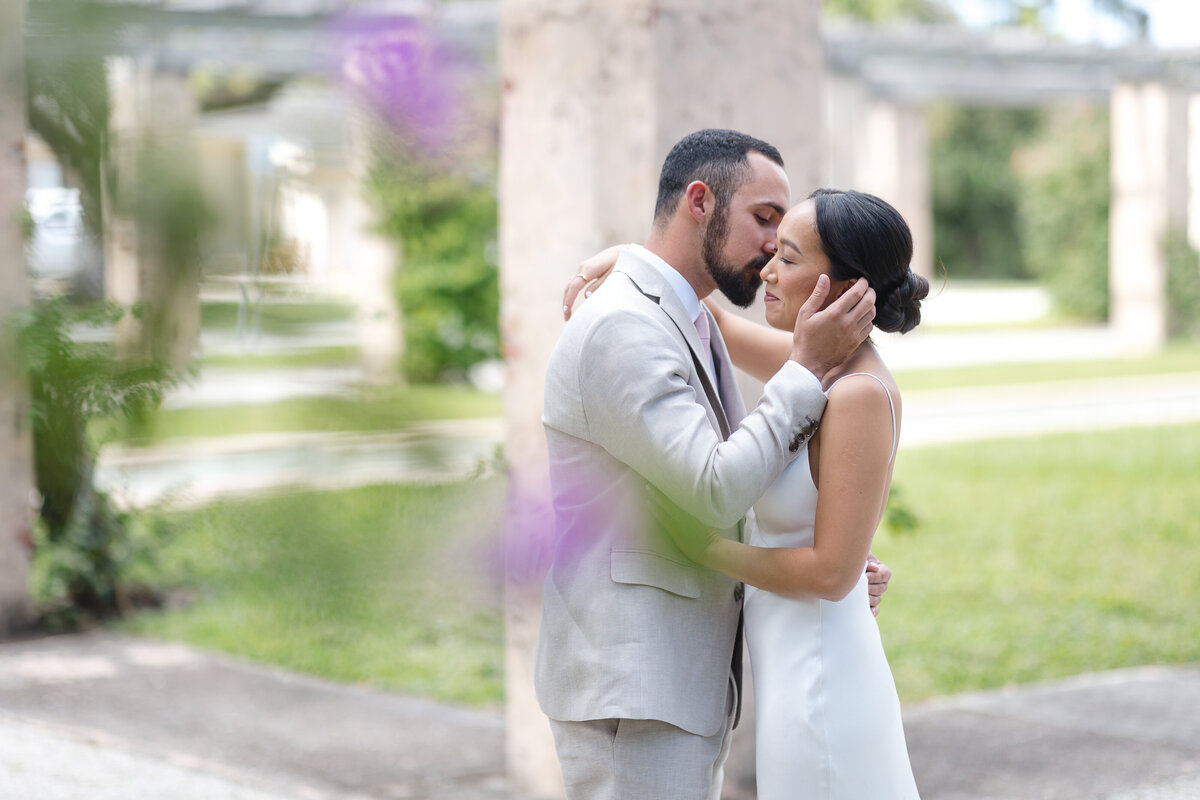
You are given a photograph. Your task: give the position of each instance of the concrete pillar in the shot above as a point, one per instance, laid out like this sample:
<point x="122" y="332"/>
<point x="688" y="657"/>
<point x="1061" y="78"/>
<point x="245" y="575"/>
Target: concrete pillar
<point x="596" y="92"/>
<point x="882" y="147"/>
<point x="846" y="100"/>
<point x="16" y="446"/>
<point x="122" y="283"/>
<point x="371" y="266"/>
<point x="151" y="129"/>
<point x="1193" y="171"/>
<point x="1149" y="192"/>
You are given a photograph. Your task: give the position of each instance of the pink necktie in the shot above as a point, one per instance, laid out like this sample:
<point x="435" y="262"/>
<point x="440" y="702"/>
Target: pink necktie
<point x="705" y="338"/>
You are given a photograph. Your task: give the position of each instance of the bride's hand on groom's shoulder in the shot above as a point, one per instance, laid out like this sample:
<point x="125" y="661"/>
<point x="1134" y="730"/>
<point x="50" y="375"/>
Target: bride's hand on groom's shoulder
<point x="691" y="536"/>
<point x="592" y="272"/>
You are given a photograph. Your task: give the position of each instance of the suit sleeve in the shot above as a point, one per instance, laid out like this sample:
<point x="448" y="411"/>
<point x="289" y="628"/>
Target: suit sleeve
<point x="639" y="406"/>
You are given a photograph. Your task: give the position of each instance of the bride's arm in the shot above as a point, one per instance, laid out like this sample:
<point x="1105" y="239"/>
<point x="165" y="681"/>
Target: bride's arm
<point x="756" y="349"/>
<point x="854" y="472"/>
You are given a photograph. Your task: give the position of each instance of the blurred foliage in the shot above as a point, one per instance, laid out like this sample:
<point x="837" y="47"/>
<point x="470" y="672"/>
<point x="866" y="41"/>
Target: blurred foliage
<point x="397" y="587"/>
<point x="885" y="10"/>
<point x="1064" y="199"/>
<point x="84" y="546"/>
<point x="899" y="518"/>
<point x="448" y="284"/>
<point x="1021" y="193"/>
<point x="1017" y="192"/>
<point x="67" y="93"/>
<point x="172" y="217"/>
<point x="976" y="191"/>
<point x="1183" y="286"/>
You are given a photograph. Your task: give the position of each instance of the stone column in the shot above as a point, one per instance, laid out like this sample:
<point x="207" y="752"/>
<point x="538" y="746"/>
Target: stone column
<point x="882" y="147"/>
<point x="846" y="100"/>
<point x="151" y="130"/>
<point x="122" y="282"/>
<point x="1149" y="193"/>
<point x="596" y="92"/>
<point x="1193" y="171"/>
<point x="371" y="266"/>
<point x="16" y="446"/>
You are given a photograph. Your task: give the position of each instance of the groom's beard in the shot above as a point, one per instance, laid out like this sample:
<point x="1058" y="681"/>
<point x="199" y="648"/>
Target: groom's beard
<point x="739" y="285"/>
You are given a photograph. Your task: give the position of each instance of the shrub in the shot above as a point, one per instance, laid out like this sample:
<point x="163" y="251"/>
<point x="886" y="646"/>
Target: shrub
<point x="448" y="284"/>
<point x="1183" y="286"/>
<point x="1064" y="209"/>
<point x="84" y="546"/>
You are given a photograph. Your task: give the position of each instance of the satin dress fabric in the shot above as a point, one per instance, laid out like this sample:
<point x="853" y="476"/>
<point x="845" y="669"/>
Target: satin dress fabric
<point x="827" y="716"/>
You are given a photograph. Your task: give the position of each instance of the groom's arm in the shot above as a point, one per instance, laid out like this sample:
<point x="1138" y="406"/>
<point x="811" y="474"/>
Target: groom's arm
<point x="640" y="407"/>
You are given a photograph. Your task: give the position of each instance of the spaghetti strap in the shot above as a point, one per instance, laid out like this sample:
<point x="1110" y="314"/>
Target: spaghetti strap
<point x="891" y="404"/>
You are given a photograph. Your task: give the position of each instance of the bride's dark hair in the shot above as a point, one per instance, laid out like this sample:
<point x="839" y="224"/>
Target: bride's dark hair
<point x="865" y="237"/>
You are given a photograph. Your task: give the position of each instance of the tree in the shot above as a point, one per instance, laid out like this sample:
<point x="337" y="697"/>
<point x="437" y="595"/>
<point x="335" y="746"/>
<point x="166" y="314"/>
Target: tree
<point x="1064" y="208"/>
<point x="16" y="463"/>
<point x="84" y="545"/>
<point x="976" y="192"/>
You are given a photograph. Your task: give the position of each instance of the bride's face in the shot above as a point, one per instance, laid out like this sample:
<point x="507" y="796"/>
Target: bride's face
<point x="790" y="276"/>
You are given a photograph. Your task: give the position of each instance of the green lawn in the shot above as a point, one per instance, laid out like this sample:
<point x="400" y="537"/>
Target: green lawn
<point x="1038" y="558"/>
<point x="395" y="587"/>
<point x="275" y="317"/>
<point x="1033" y="558"/>
<point x="332" y="355"/>
<point x="364" y="409"/>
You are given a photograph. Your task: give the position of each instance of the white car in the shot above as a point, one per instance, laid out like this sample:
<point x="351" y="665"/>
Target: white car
<point x="61" y="250"/>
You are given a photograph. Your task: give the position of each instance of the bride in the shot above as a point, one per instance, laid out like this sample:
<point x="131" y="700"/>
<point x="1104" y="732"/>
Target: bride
<point x="827" y="716"/>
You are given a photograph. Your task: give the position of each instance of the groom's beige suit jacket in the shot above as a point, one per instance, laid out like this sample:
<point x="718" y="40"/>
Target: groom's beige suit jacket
<point x="630" y="627"/>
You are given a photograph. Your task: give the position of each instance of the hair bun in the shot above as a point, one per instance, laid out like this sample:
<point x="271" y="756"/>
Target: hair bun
<point x="898" y="307"/>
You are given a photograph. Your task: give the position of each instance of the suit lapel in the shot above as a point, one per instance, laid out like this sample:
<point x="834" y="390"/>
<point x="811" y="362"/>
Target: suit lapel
<point x="652" y="284"/>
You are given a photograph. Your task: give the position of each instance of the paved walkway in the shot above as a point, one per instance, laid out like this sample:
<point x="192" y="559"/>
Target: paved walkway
<point x="105" y="717"/>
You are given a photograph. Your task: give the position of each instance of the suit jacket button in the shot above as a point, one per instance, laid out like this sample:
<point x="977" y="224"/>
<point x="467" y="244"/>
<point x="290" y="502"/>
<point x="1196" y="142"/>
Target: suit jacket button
<point x="738" y="593"/>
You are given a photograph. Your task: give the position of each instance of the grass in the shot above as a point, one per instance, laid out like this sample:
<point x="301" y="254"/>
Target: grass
<point x="310" y="357"/>
<point x="393" y="587"/>
<point x="278" y="318"/>
<point x="1177" y="357"/>
<point x="1040" y="558"/>
<point x="367" y="409"/>
<point x="1033" y="559"/>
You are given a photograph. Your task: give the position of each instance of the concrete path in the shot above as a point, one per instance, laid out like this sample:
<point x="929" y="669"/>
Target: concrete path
<point x="105" y="717"/>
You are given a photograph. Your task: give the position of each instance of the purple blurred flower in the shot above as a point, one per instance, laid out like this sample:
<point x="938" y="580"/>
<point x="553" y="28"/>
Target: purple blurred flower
<point x="403" y="74"/>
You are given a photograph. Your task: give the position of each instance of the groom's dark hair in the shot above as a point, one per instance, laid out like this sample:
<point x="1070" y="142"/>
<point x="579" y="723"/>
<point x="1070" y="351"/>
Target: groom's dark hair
<point x="716" y="156"/>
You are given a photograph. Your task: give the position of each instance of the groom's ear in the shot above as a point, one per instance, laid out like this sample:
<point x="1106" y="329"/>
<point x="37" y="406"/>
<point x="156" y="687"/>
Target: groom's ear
<point x="699" y="201"/>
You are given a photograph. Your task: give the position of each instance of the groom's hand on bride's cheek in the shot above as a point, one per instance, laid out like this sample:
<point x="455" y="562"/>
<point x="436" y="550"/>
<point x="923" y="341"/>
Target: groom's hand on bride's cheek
<point x="878" y="575"/>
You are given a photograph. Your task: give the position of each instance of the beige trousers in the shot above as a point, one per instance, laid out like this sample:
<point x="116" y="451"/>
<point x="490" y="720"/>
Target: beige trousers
<point x="641" y="759"/>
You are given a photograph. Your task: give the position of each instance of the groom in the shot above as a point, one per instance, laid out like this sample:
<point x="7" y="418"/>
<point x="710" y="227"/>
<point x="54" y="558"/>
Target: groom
<point x="638" y="662"/>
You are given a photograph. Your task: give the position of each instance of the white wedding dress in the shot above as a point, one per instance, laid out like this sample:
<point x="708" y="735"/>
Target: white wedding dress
<point x="827" y="718"/>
